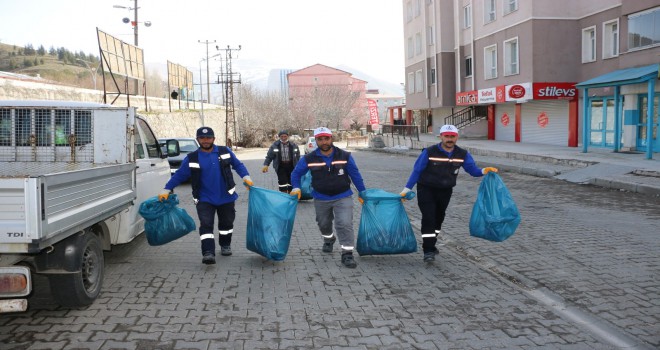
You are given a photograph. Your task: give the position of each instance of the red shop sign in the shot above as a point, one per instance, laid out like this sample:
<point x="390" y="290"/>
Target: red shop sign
<point x="543" y="120"/>
<point x="517" y="91"/>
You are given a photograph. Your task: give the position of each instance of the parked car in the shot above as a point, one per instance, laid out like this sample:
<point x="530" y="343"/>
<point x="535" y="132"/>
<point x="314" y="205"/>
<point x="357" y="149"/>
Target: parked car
<point x="310" y="146"/>
<point x="186" y="145"/>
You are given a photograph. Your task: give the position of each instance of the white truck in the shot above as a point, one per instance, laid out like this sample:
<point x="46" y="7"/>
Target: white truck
<point x="72" y="176"/>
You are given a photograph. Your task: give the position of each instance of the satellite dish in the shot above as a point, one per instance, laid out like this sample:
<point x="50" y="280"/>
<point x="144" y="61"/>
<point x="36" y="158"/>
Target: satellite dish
<point x="125" y="20"/>
<point x="147" y="23"/>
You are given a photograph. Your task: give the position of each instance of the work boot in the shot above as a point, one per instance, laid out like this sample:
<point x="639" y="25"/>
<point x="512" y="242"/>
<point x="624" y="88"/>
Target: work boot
<point x="348" y="261"/>
<point x="429" y="256"/>
<point x="225" y="250"/>
<point x="208" y="259"/>
<point x="327" y="246"/>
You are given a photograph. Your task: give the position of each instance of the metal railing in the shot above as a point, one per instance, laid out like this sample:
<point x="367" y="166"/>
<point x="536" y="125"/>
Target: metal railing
<point x="467" y="116"/>
<point x="411" y="131"/>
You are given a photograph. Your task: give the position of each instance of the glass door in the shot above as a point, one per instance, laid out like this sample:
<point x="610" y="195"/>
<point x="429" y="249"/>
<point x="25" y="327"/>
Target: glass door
<point x="642" y="126"/>
<point x="601" y="131"/>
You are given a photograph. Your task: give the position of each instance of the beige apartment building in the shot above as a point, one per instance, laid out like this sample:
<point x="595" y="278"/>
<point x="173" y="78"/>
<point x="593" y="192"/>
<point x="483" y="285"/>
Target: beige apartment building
<point x="518" y="70"/>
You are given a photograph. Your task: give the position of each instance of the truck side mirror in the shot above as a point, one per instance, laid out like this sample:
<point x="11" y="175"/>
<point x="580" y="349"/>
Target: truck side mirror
<point x="170" y="148"/>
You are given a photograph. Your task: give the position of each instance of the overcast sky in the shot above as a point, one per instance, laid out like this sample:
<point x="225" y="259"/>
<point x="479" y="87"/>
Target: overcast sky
<point x="366" y="35"/>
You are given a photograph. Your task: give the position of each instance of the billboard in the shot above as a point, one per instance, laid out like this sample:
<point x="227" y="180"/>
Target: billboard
<point x="118" y="57"/>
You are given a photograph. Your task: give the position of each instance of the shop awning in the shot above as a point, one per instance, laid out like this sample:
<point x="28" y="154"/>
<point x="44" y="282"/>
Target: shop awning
<point x="622" y="77"/>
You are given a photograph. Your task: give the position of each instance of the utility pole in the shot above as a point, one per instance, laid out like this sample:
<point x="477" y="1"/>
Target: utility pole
<point x="208" y="85"/>
<point x="229" y="79"/>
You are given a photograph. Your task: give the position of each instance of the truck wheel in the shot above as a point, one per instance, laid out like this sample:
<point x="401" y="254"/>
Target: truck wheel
<point x="82" y="287"/>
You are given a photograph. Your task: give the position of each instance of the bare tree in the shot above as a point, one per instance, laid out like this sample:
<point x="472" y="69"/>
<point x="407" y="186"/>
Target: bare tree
<point x="333" y="106"/>
<point x="260" y="115"/>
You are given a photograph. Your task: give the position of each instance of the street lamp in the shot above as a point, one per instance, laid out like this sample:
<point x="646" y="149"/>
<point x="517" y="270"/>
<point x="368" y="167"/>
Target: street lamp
<point x="134" y="22"/>
<point x="93" y="72"/>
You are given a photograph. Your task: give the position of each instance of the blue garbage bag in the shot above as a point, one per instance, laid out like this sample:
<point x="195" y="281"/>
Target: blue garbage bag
<point x="384" y="225"/>
<point x="495" y="215"/>
<point x="271" y="215"/>
<point x="164" y="220"/>
<point x="306" y="185"/>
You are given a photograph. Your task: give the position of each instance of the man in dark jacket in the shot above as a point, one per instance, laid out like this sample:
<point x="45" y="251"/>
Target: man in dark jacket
<point x="435" y="173"/>
<point x="333" y="170"/>
<point x="285" y="156"/>
<point x="213" y="189"/>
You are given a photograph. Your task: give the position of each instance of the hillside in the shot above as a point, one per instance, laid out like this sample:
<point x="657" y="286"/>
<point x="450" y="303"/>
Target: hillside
<point x="59" y="65"/>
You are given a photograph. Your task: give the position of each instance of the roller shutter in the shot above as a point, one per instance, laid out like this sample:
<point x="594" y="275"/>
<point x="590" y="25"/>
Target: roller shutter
<point x="505" y="122"/>
<point x="545" y="122"/>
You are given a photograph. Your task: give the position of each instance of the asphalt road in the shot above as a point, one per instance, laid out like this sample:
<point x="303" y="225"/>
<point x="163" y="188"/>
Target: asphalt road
<point x="581" y="272"/>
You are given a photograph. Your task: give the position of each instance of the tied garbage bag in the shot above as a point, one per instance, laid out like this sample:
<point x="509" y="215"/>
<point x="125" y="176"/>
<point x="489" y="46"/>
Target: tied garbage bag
<point x="495" y="215"/>
<point x="384" y="225"/>
<point x="270" y="222"/>
<point x="306" y="185"/>
<point x="164" y="221"/>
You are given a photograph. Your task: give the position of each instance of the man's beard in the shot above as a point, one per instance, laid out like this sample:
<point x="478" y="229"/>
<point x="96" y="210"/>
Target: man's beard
<point x="325" y="148"/>
<point x="206" y="148"/>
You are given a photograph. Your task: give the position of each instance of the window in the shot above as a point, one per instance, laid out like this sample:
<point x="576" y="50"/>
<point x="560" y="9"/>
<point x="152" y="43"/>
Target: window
<point x="468" y="66"/>
<point x="419" y="81"/>
<point x="62" y="127"/>
<point x="644" y="29"/>
<point x="411" y="83"/>
<point x="432" y="76"/>
<point x="611" y="39"/>
<point x="429" y="35"/>
<point x="489" y="11"/>
<point x="5" y="127"/>
<point x="410" y="48"/>
<point x="589" y="44"/>
<point x="467" y="16"/>
<point x="82" y="127"/>
<point x="418" y="44"/>
<point x="510" y="6"/>
<point x="490" y="62"/>
<point x="409" y="11"/>
<point x="511" y="57"/>
<point x="418" y="7"/>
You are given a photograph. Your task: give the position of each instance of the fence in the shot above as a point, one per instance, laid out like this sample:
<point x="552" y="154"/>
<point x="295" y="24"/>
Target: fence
<point x="411" y="131"/>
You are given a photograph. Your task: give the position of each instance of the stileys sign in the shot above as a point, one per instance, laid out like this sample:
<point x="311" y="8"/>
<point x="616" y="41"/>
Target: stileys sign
<point x="555" y="91"/>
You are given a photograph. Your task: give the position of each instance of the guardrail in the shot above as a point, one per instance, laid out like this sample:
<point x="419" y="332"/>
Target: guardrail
<point x="357" y="141"/>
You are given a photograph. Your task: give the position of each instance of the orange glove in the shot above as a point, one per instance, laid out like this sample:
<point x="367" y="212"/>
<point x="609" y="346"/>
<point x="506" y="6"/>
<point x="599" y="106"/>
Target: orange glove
<point x="488" y="170"/>
<point x="296" y="192"/>
<point x="264" y="169"/>
<point x="403" y="194"/>
<point x="361" y="200"/>
<point x="163" y="196"/>
<point x="247" y="182"/>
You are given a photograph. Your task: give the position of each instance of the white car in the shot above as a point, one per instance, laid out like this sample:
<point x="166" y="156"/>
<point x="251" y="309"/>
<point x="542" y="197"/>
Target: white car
<point x="310" y="146"/>
<point x="186" y="145"/>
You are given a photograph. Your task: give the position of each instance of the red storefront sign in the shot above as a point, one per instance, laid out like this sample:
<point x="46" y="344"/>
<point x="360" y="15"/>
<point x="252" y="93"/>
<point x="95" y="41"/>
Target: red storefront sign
<point x="466" y="98"/>
<point x="518" y="93"/>
<point x="555" y="91"/>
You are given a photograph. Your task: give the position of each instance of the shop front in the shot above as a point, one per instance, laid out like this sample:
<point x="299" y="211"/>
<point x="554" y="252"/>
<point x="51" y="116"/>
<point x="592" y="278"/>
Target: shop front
<point x="539" y="112"/>
<point x="620" y="111"/>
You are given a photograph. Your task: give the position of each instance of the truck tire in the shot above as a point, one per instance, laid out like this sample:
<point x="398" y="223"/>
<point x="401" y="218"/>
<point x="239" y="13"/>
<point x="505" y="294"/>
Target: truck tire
<point x="81" y="288"/>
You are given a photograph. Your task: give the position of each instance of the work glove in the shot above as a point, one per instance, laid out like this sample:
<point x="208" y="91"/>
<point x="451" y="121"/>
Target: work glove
<point x="295" y="192"/>
<point x="487" y="170"/>
<point x="264" y="169"/>
<point x="404" y="193"/>
<point x="164" y="196"/>
<point x="247" y="182"/>
<point x="360" y="199"/>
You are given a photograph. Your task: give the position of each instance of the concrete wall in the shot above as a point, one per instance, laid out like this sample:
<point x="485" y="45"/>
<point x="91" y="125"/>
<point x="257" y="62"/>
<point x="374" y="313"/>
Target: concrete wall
<point x="178" y="123"/>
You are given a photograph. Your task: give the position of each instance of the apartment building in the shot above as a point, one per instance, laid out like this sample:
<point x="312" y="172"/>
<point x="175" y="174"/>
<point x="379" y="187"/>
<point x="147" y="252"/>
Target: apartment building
<point x="517" y="70"/>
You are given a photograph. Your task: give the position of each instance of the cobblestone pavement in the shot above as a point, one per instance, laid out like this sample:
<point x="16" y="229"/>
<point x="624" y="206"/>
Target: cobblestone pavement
<point x="581" y="272"/>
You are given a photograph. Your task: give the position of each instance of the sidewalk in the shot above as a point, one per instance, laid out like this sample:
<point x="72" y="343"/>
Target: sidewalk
<point x="600" y="167"/>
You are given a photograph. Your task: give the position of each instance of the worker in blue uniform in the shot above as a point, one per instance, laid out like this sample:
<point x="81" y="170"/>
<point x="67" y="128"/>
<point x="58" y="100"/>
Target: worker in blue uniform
<point x="213" y="190"/>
